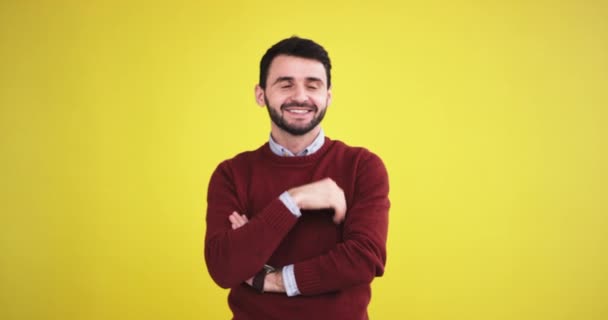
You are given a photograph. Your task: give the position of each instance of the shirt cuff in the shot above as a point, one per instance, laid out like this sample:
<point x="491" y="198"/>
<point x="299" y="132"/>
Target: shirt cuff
<point x="289" y="280"/>
<point x="288" y="201"/>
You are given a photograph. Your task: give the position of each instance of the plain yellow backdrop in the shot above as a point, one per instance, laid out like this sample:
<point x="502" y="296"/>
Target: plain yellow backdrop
<point x="491" y="117"/>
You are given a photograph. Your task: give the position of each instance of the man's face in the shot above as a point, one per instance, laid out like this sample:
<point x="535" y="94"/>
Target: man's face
<point x="296" y="94"/>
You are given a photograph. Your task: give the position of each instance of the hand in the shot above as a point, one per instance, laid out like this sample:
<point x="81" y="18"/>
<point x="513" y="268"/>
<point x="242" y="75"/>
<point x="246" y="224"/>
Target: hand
<point x="321" y="194"/>
<point x="237" y="220"/>
<point x="273" y="282"/>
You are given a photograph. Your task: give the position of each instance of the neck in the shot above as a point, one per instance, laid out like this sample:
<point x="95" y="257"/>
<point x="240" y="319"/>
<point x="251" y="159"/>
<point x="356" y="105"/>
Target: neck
<point x="295" y="144"/>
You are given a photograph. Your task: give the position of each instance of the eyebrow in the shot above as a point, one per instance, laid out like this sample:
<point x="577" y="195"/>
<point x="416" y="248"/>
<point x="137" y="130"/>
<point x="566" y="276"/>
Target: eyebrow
<point x="313" y="79"/>
<point x="281" y="79"/>
<point x="291" y="79"/>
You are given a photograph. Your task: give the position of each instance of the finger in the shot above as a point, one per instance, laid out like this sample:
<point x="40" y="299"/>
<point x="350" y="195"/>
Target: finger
<point x="240" y="220"/>
<point x="339" y="206"/>
<point x="233" y="223"/>
<point x="339" y="214"/>
<point x="235" y="220"/>
<point x="231" y="218"/>
<point x="338" y="218"/>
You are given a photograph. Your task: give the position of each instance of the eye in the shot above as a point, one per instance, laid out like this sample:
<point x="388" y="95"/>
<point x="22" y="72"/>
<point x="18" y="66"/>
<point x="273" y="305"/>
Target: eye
<point x="286" y="86"/>
<point x="313" y="87"/>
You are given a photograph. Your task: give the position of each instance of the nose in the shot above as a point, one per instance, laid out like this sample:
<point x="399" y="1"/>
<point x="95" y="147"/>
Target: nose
<point x="299" y="94"/>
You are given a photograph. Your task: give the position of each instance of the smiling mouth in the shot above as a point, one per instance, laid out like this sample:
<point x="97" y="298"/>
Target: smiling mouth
<point x="298" y="111"/>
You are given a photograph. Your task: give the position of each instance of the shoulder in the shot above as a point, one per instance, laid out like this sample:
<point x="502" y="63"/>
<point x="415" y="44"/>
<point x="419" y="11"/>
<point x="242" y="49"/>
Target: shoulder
<point x="370" y="176"/>
<point x="242" y="160"/>
<point x="356" y="154"/>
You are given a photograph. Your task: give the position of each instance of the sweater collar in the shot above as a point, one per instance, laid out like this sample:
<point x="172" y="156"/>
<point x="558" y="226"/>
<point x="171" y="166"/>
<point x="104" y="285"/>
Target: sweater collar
<point x="297" y="161"/>
<point x="284" y="152"/>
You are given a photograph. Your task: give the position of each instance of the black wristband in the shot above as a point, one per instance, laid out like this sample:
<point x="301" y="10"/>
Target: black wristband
<point x="258" y="281"/>
<point x="260" y="277"/>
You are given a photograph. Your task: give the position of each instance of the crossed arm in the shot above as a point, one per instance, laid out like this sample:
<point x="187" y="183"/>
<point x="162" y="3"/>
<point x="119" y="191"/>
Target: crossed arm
<point x="273" y="282"/>
<point x="363" y="249"/>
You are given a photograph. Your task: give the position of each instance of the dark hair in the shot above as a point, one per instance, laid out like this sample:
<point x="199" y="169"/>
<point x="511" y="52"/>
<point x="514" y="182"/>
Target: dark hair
<point x="297" y="47"/>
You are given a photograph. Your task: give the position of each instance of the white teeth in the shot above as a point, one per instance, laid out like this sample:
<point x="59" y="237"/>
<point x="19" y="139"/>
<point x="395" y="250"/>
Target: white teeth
<point x="299" y="111"/>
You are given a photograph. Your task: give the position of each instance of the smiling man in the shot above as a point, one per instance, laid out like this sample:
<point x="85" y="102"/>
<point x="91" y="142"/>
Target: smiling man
<point x="297" y="228"/>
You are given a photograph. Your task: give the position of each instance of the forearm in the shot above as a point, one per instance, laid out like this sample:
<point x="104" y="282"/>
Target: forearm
<point x="233" y="256"/>
<point x="323" y="274"/>
<point x="349" y="264"/>
<point x="361" y="255"/>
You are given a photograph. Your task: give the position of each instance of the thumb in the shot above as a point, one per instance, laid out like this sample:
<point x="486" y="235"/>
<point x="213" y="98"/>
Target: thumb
<point x="339" y="215"/>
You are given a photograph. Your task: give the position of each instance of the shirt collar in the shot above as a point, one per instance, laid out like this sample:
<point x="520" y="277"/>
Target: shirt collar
<point x="312" y="148"/>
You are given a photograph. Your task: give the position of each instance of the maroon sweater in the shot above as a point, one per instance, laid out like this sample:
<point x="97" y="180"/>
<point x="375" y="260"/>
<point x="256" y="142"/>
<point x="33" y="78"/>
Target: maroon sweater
<point x="333" y="264"/>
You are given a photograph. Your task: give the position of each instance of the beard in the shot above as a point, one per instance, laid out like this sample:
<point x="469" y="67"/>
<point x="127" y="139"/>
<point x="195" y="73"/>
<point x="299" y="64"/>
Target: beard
<point x="296" y="130"/>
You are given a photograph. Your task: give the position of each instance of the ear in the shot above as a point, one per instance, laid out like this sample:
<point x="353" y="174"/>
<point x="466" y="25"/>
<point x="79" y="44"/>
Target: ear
<point x="259" y="96"/>
<point x="329" y="96"/>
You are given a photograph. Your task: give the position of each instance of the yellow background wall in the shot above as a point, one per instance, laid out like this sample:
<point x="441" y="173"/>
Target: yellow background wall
<point x="491" y="118"/>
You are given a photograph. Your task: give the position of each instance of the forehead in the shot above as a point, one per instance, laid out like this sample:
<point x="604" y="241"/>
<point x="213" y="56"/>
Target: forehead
<point x="296" y="67"/>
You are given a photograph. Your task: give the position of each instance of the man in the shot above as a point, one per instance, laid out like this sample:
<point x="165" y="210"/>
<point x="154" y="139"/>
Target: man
<point x="297" y="228"/>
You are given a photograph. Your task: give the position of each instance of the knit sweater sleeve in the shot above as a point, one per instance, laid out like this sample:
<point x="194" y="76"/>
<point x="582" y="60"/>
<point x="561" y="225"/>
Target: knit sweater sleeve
<point x="362" y="254"/>
<point x="233" y="256"/>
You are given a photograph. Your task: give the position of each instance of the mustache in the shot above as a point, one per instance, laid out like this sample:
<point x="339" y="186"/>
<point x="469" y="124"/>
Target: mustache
<point x="299" y="104"/>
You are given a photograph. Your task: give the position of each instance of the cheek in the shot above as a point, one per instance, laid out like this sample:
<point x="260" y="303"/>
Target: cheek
<point x="321" y="101"/>
<point x="270" y="101"/>
<point x="276" y="99"/>
<point x="277" y="102"/>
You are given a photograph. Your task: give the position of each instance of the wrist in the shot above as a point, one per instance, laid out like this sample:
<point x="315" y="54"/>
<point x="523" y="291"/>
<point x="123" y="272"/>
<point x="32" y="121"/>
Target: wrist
<point x="296" y="197"/>
<point x="260" y="281"/>
<point x="274" y="281"/>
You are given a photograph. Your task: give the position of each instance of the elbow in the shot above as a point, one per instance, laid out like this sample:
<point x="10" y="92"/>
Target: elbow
<point x="373" y="260"/>
<point x="369" y="271"/>
<point x="223" y="282"/>
<point x="220" y="270"/>
<point x="222" y="276"/>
